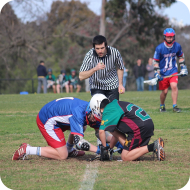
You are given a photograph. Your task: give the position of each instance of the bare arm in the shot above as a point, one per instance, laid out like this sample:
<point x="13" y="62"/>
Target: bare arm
<point x="86" y="74"/>
<point x="121" y="89"/>
<point x="181" y="59"/>
<point x="102" y="137"/>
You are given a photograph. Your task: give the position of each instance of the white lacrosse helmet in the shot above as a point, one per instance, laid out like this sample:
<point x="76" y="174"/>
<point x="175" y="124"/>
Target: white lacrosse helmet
<point x="95" y="105"/>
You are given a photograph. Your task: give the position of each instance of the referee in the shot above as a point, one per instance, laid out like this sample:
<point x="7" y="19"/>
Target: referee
<point x="103" y="65"/>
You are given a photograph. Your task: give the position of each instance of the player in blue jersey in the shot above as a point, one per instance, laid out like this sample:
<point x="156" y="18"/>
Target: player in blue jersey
<point x="53" y="119"/>
<point x="56" y="117"/>
<point x="165" y="64"/>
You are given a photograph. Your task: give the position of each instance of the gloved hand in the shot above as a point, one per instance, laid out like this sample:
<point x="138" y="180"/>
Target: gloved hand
<point x="158" y="76"/>
<point x="98" y="148"/>
<point x="119" y="145"/>
<point x="184" y="71"/>
<point x="104" y="153"/>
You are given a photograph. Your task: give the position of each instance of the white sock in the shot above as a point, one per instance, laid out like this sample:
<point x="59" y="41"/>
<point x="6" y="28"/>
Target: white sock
<point x="33" y="150"/>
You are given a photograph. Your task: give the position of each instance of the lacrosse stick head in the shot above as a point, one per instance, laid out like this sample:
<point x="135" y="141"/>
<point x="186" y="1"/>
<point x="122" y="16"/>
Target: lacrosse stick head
<point x="151" y="82"/>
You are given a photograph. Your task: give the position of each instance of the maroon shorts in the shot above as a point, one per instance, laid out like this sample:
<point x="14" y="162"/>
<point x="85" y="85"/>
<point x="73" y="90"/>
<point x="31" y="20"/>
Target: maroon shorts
<point x="132" y="143"/>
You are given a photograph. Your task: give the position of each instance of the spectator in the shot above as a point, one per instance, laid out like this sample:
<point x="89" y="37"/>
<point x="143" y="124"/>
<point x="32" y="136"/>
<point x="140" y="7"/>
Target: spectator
<point x="125" y="74"/>
<point x="103" y="65"/>
<point x="51" y="80"/>
<point x="41" y="72"/>
<point x="62" y="81"/>
<point x="74" y="81"/>
<point x="87" y="86"/>
<point x="139" y="71"/>
<point x="150" y="69"/>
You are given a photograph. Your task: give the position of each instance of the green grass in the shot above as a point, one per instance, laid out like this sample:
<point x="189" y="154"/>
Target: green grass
<point x="18" y="125"/>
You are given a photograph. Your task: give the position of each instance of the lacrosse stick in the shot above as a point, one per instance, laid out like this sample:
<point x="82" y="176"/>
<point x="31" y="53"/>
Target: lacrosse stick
<point x="155" y="80"/>
<point x="97" y="157"/>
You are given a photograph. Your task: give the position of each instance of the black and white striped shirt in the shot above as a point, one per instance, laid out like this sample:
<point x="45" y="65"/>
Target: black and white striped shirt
<point x="107" y="78"/>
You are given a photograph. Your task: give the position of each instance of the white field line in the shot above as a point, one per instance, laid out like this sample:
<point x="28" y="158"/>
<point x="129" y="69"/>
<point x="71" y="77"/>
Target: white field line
<point x="89" y="177"/>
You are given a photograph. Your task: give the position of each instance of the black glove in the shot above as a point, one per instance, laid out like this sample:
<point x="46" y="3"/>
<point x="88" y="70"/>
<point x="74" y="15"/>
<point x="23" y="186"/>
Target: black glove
<point x="104" y="153"/>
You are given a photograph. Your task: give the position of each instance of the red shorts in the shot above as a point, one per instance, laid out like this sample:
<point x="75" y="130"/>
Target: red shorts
<point x="164" y="84"/>
<point x="54" y="137"/>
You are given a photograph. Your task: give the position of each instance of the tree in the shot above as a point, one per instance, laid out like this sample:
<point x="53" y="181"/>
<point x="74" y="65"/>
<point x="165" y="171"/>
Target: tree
<point x="102" y="19"/>
<point x="136" y="17"/>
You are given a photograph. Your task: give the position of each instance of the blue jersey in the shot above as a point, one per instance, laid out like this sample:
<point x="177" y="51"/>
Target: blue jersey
<point x="65" y="112"/>
<point x="167" y="58"/>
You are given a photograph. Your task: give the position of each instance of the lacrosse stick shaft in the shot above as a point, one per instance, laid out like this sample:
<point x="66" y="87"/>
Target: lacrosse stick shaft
<point x="172" y="75"/>
<point x="149" y="81"/>
<point x="116" y="150"/>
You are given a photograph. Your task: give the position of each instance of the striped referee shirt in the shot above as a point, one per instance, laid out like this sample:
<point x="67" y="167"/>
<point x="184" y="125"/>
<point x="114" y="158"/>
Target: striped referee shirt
<point x="107" y="78"/>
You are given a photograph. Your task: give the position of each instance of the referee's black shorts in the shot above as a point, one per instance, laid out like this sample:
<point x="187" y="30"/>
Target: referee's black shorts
<point x="110" y="94"/>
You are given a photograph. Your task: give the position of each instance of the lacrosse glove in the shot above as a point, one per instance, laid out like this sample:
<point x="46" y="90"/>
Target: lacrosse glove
<point x="118" y="145"/>
<point x="98" y="148"/>
<point x="184" y="71"/>
<point x="104" y="153"/>
<point x="158" y="76"/>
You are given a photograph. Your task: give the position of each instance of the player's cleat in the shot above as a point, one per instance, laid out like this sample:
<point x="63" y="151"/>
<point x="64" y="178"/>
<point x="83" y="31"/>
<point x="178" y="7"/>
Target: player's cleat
<point x="20" y="152"/>
<point x="176" y="109"/>
<point x="159" y="149"/>
<point x="162" y="109"/>
<point x="76" y="153"/>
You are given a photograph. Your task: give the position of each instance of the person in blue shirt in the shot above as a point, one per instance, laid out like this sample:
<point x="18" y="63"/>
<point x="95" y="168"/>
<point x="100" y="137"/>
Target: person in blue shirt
<point x="53" y="119"/>
<point x="165" y="64"/>
<point x="42" y="82"/>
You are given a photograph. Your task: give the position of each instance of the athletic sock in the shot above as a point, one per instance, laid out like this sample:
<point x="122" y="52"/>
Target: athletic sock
<point x="174" y="105"/>
<point x="70" y="147"/>
<point x="162" y="105"/>
<point x="33" y="150"/>
<point x="150" y="147"/>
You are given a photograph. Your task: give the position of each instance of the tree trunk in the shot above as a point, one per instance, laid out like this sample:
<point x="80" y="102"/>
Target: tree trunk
<point x="102" y="19"/>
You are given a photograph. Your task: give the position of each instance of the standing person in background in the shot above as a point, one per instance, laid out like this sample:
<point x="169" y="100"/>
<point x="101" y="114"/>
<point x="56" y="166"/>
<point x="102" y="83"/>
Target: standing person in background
<point x="165" y="64"/>
<point x="103" y="65"/>
<point x="139" y="71"/>
<point x="150" y="69"/>
<point x="125" y="74"/>
<point x="62" y="81"/>
<point x="74" y="81"/>
<point x="41" y="72"/>
<point x="51" y="80"/>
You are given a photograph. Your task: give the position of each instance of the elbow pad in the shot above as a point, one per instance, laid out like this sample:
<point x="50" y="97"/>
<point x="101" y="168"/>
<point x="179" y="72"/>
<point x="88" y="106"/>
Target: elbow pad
<point x="81" y="143"/>
<point x="154" y="62"/>
<point x="182" y="63"/>
<point x="156" y="69"/>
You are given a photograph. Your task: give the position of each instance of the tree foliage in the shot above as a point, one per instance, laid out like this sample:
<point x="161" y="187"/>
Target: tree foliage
<point x="63" y="36"/>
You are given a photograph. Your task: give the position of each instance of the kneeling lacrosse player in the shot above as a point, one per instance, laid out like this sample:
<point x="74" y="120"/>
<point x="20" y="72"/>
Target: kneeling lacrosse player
<point x="121" y="118"/>
<point x="53" y="119"/>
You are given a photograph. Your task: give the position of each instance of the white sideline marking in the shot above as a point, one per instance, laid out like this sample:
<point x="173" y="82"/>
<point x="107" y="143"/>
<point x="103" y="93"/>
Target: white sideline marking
<point x="89" y="177"/>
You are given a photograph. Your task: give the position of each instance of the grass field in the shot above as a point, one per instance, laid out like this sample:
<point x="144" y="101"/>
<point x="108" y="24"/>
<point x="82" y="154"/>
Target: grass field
<point x="18" y="125"/>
